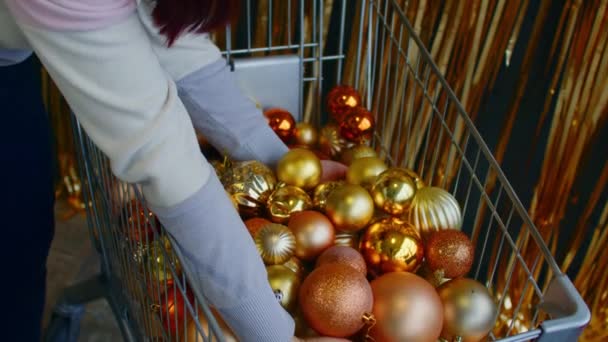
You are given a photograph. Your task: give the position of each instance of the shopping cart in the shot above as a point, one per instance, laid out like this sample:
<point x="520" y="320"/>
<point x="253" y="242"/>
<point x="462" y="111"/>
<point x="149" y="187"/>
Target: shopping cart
<point x="420" y="125"/>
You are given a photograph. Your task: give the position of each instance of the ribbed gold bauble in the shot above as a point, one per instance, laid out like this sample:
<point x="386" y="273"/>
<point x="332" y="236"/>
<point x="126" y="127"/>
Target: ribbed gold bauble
<point x="434" y="209"/>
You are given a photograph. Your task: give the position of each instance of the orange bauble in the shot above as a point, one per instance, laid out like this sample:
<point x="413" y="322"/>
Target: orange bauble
<point x="358" y="125"/>
<point x="341" y="100"/>
<point x="343" y="255"/>
<point x="450" y="251"/>
<point x="334" y="299"/>
<point x="172" y="309"/>
<point x="406" y="308"/>
<point x="281" y="122"/>
<point x="314" y="233"/>
<point x="254" y="224"/>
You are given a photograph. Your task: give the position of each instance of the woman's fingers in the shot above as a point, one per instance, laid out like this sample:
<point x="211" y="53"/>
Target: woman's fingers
<point x="332" y="170"/>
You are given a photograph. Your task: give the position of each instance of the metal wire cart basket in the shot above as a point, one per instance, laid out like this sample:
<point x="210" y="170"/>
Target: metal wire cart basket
<point x="420" y="124"/>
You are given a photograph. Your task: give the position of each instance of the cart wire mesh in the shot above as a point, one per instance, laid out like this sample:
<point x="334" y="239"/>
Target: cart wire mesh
<point x="420" y="124"/>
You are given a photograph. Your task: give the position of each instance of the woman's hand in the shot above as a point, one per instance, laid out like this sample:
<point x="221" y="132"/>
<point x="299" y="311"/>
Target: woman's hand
<point x="332" y="170"/>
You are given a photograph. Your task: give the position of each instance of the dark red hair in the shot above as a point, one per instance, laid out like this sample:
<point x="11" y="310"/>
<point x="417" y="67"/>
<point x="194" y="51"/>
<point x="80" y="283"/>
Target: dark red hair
<point x="174" y="17"/>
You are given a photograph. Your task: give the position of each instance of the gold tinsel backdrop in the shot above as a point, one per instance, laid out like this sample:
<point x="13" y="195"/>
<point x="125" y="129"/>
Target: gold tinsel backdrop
<point x="474" y="44"/>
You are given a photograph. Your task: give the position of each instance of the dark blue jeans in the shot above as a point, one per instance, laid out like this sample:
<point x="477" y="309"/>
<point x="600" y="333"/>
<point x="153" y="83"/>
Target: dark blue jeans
<point x="26" y="201"/>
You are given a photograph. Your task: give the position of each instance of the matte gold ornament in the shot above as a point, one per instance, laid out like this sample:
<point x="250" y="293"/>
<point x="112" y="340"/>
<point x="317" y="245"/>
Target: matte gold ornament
<point x="363" y="171"/>
<point x="285" y="201"/>
<point x="275" y="243"/>
<point x="313" y="231"/>
<point x="306" y="134"/>
<point x="285" y="283"/>
<point x="392" y="245"/>
<point x="299" y="167"/>
<point x="349" y="239"/>
<point x="356" y="152"/>
<point x="349" y="207"/>
<point x="434" y="209"/>
<point x="322" y="191"/>
<point x="468" y="308"/>
<point x="331" y="142"/>
<point x="393" y="191"/>
<point x="250" y="183"/>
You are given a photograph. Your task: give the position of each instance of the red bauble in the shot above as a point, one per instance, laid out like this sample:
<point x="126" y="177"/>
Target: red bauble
<point x="281" y="122"/>
<point x="172" y="308"/>
<point x="358" y="125"/>
<point x="450" y="251"/>
<point x="341" y="100"/>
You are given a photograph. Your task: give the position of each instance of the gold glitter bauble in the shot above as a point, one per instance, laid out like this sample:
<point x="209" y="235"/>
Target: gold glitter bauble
<point x="356" y="152"/>
<point x="392" y="245"/>
<point x="285" y="283"/>
<point x="321" y="193"/>
<point x="363" y="171"/>
<point x="334" y="298"/>
<point x="299" y="167"/>
<point x="285" y="201"/>
<point x="275" y="243"/>
<point x="434" y="209"/>
<point x="393" y="191"/>
<point x="250" y="183"/>
<point x="469" y="309"/>
<point x="330" y="141"/>
<point x="349" y="207"/>
<point x="305" y="134"/>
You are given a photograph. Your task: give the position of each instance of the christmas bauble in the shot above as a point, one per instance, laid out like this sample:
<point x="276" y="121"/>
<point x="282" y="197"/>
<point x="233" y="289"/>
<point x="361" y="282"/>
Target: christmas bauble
<point x="468" y="308"/>
<point x="314" y="233"/>
<point x="275" y="243"/>
<point x="285" y="283"/>
<point x="349" y="239"/>
<point x="141" y="224"/>
<point x="349" y="207"/>
<point x="391" y="245"/>
<point x="358" y="125"/>
<point x="296" y="266"/>
<point x="363" y="171"/>
<point x="419" y="182"/>
<point x="435" y="278"/>
<point x="163" y="265"/>
<point x="250" y="183"/>
<point x="434" y="209"/>
<point x="331" y="142"/>
<point x="299" y="167"/>
<point x="450" y="251"/>
<point x="393" y="191"/>
<point x="356" y="152"/>
<point x="282" y="123"/>
<point x="305" y="134"/>
<point x="285" y="201"/>
<point x="254" y="224"/>
<point x="341" y="100"/>
<point x="343" y="255"/>
<point x="196" y="335"/>
<point x="322" y="191"/>
<point x="334" y="298"/>
<point x="172" y="308"/>
<point x="406" y="308"/>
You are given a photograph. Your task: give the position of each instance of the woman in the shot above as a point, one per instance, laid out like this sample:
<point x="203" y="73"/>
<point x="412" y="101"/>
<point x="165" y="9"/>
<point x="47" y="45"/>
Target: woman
<point x="140" y="77"/>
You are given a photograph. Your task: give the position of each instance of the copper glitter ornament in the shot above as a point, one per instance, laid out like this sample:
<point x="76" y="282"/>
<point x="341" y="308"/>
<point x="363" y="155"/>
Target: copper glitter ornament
<point x="331" y="142"/>
<point x="299" y="167"/>
<point x="450" y="251"/>
<point x="285" y="201"/>
<point x="322" y="191"/>
<point x="363" y="171"/>
<point x="349" y="207"/>
<point x="305" y="134"/>
<point x="356" y="152"/>
<point x="341" y="100"/>
<point x="282" y="123"/>
<point x="393" y="191"/>
<point x="285" y="284"/>
<point x="275" y="243"/>
<point x="334" y="299"/>
<point x="434" y="209"/>
<point x="313" y="231"/>
<point x="250" y="184"/>
<point x="391" y="245"/>
<point x="343" y="255"/>
<point x="357" y="125"/>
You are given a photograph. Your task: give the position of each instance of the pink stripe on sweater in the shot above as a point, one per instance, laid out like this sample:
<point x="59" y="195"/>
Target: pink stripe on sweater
<point x="71" y="15"/>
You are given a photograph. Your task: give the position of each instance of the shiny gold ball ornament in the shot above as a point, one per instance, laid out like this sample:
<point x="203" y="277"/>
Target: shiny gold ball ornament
<point x="285" y="201"/>
<point x="345" y="256"/>
<point x="322" y="191"/>
<point x="313" y="231"/>
<point x="468" y="308"/>
<point x="250" y="184"/>
<point x="334" y="299"/>
<point x="285" y="284"/>
<point x="356" y="152"/>
<point x="417" y="179"/>
<point x="299" y="167"/>
<point x="331" y="143"/>
<point x="363" y="171"/>
<point x="434" y="209"/>
<point x="391" y="245"/>
<point x="305" y="134"/>
<point x="393" y="191"/>
<point x="349" y="207"/>
<point x="275" y="243"/>
<point x="406" y="308"/>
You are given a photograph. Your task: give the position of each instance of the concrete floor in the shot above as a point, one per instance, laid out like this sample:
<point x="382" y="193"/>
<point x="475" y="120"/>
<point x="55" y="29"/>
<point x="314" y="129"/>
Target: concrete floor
<point x="71" y="259"/>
